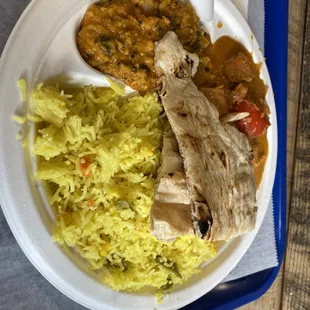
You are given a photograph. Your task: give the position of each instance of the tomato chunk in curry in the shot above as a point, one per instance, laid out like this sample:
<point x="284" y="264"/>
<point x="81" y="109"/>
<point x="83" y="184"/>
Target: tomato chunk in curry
<point x="117" y="37"/>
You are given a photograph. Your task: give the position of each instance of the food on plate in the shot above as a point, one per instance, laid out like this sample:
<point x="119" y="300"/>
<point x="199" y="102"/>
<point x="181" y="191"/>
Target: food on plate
<point x="217" y="156"/>
<point x="256" y="123"/>
<point x="117" y="37"/>
<point x="144" y="186"/>
<point x="239" y="68"/>
<point x="229" y="61"/>
<point x="98" y="155"/>
<point x="172" y="200"/>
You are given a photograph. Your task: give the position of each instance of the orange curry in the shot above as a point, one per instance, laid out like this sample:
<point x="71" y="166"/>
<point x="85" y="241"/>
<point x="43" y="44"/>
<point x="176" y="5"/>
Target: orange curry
<point x="117" y="37"/>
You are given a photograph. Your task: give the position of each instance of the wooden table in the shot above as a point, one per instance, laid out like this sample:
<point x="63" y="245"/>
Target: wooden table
<point x="291" y="290"/>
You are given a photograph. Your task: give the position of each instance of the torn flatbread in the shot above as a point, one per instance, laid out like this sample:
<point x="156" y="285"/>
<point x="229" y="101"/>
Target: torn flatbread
<point x="217" y="157"/>
<point x="171" y="215"/>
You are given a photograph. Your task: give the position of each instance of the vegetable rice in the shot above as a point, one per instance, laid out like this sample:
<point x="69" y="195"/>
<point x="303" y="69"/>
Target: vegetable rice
<point x="98" y="154"/>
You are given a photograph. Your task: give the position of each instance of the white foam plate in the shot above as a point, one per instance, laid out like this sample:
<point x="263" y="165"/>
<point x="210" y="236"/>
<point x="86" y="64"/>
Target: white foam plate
<point x="42" y="46"/>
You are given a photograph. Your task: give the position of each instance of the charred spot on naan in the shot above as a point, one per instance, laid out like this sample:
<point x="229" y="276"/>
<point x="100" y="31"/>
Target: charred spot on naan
<point x="204" y="220"/>
<point x="191" y="142"/>
<point x="199" y="132"/>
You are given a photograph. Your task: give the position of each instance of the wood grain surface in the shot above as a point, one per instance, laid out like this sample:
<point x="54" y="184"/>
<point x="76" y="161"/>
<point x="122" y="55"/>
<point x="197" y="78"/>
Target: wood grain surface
<point x="287" y="288"/>
<point x="296" y="286"/>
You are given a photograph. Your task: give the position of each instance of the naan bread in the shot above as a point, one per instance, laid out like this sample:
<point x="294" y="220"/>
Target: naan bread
<point x="217" y="157"/>
<point x="171" y="214"/>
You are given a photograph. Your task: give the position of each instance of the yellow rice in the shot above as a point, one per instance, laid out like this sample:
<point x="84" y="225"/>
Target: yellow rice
<point x="99" y="155"/>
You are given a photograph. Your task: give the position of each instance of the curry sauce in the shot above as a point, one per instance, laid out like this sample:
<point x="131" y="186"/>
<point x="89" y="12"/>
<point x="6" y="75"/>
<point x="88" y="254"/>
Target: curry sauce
<point x="220" y="52"/>
<point x="223" y="50"/>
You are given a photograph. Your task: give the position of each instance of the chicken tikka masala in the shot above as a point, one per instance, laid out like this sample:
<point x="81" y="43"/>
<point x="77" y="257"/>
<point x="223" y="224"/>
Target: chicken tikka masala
<point x="117" y="37"/>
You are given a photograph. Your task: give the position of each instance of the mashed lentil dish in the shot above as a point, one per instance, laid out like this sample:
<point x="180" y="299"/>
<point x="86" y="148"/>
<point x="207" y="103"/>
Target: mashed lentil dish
<point x="118" y="37"/>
